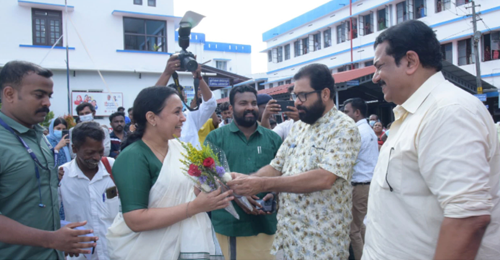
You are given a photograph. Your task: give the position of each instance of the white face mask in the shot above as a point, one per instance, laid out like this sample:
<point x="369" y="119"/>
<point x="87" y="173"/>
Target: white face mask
<point x="86" y="118"/>
<point x="372" y="122"/>
<point x="58" y="133"/>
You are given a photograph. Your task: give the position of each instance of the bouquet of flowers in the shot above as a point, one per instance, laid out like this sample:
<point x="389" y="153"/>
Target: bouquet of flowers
<point x="209" y="170"/>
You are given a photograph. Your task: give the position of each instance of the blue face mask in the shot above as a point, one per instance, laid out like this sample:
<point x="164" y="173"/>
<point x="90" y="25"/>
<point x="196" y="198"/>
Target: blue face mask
<point x="372" y="123"/>
<point x="58" y="133"/>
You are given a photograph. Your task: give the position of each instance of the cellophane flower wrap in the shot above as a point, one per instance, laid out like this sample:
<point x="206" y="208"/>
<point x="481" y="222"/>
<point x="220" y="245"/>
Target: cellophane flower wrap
<point x="209" y="170"/>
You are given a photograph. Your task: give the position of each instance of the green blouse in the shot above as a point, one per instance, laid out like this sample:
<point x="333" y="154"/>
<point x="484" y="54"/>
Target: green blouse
<point x="135" y="172"/>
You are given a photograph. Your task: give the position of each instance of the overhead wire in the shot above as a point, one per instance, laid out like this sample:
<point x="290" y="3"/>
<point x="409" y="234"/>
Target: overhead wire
<point x="91" y="59"/>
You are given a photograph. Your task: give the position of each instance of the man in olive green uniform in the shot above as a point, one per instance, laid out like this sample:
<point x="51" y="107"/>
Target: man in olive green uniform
<point x="29" y="204"/>
<point x="248" y="146"/>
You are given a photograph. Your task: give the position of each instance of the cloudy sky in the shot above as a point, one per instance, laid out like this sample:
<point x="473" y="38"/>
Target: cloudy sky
<point x="243" y="22"/>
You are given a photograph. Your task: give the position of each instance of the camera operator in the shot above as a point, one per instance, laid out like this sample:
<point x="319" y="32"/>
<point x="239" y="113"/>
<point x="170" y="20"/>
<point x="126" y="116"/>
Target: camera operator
<point x="194" y="119"/>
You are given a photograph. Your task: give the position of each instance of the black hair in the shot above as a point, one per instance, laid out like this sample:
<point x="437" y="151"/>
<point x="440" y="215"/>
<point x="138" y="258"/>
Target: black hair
<point x="13" y="73"/>
<point x="115" y="114"/>
<point x="149" y="99"/>
<point x="240" y="89"/>
<point x="82" y="106"/>
<point x="224" y="106"/>
<point x="59" y="121"/>
<point x="357" y="104"/>
<point x="121" y="108"/>
<point x="414" y="36"/>
<point x="319" y="76"/>
<point x="130" y="109"/>
<point x="290" y="89"/>
<point x="86" y="129"/>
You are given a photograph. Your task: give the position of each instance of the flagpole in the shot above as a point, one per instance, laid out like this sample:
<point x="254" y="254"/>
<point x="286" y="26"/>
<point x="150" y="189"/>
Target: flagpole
<point x="67" y="53"/>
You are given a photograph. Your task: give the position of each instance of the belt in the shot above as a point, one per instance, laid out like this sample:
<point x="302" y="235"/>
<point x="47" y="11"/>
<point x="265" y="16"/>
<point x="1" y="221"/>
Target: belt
<point x="360" y="183"/>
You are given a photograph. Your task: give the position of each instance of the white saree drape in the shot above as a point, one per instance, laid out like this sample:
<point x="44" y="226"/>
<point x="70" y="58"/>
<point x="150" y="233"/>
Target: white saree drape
<point x="192" y="238"/>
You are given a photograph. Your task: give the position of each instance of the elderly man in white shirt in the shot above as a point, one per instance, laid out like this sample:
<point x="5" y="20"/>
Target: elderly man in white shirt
<point x="435" y="192"/>
<point x="356" y="109"/>
<point x="194" y="119"/>
<point x="87" y="190"/>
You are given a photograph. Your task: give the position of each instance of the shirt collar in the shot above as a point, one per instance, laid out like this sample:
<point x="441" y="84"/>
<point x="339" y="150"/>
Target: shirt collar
<point x="17" y="126"/>
<point x="74" y="171"/>
<point x="234" y="128"/>
<point x="413" y="103"/>
<point x="361" y="122"/>
<point x="326" y="117"/>
<point x="113" y="135"/>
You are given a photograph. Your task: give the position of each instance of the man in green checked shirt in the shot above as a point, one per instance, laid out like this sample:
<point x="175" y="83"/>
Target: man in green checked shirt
<point x="248" y="147"/>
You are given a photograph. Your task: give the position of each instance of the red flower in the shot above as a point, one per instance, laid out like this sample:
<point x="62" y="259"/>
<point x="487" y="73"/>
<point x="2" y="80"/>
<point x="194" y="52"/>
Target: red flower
<point x="194" y="171"/>
<point x="209" y="162"/>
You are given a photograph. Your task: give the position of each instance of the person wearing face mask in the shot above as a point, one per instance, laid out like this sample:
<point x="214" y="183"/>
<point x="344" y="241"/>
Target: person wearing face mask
<point x="86" y="112"/>
<point x="87" y="190"/>
<point x="58" y="141"/>
<point x="373" y="119"/>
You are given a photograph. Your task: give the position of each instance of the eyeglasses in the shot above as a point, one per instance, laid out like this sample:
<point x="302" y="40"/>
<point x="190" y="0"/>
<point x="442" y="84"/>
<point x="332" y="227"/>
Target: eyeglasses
<point x="303" y="96"/>
<point x="387" y="172"/>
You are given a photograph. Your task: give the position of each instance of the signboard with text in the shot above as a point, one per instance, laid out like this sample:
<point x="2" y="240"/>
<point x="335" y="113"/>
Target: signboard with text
<point x="481" y="97"/>
<point x="218" y="82"/>
<point x="105" y="103"/>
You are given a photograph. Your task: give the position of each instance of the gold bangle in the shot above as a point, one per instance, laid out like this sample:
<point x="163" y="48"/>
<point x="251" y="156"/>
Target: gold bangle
<point x="187" y="206"/>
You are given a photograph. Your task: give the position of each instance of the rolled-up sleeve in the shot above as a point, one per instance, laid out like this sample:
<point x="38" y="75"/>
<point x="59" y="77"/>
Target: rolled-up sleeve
<point x="453" y="155"/>
<point x="205" y="112"/>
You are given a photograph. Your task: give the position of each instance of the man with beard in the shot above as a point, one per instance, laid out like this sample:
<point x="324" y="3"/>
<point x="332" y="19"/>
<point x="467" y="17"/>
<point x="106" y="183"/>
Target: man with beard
<point x="87" y="190"/>
<point x="248" y="147"/>
<point x="312" y="170"/>
<point x="117" y="121"/>
<point x="29" y="206"/>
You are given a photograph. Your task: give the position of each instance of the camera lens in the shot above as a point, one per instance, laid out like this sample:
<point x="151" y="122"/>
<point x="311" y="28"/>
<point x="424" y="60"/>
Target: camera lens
<point x="190" y="64"/>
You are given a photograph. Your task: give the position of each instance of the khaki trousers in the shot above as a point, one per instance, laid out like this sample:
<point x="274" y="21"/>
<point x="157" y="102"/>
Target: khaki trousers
<point x="251" y="248"/>
<point x="359" y="208"/>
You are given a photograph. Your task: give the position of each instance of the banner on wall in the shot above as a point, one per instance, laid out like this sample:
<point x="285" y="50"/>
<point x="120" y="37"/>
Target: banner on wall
<point x="105" y="104"/>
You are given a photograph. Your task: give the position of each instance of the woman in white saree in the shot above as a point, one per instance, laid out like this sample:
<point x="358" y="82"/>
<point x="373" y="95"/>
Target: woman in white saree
<point x="162" y="216"/>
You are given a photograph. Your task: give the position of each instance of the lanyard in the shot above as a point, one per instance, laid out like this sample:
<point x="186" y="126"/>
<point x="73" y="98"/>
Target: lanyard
<point x="33" y="156"/>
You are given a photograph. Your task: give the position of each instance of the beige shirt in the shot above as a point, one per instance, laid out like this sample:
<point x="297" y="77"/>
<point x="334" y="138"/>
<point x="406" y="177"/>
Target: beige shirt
<point x="316" y="225"/>
<point x="442" y="159"/>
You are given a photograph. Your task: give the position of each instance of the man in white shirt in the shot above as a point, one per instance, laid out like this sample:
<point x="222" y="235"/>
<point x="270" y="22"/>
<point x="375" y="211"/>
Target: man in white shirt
<point x="86" y="113"/>
<point x="356" y="109"/>
<point x="87" y="190"/>
<point x="435" y="192"/>
<point x="194" y="119"/>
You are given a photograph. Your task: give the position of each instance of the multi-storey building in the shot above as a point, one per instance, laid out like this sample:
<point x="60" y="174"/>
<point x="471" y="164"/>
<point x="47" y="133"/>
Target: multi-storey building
<point x="323" y="35"/>
<point x="128" y="41"/>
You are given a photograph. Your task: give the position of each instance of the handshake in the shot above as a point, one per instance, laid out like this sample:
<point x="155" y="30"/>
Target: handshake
<point x="249" y="186"/>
